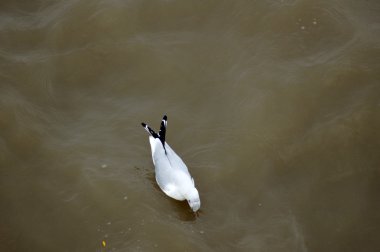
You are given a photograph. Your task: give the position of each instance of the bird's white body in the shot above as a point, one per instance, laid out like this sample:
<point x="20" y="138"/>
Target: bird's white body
<point x="172" y="175"/>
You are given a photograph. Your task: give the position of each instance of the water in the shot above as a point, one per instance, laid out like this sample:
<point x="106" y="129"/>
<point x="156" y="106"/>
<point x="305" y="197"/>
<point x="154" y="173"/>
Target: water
<point x="273" y="105"/>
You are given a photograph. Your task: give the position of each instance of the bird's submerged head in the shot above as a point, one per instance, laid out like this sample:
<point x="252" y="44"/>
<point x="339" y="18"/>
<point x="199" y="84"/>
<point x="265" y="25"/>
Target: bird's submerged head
<point x="193" y="199"/>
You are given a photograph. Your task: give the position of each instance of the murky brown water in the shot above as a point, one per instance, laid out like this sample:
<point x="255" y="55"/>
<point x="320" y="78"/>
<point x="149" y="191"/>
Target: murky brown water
<point x="274" y="106"/>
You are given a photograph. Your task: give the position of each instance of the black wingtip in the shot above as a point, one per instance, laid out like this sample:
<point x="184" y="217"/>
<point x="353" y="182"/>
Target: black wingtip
<point x="162" y="132"/>
<point x="150" y="131"/>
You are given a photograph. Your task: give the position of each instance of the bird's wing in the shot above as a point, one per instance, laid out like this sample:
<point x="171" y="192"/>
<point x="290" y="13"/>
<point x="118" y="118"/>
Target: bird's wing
<point x="172" y="191"/>
<point x="175" y="160"/>
<point x="165" y="173"/>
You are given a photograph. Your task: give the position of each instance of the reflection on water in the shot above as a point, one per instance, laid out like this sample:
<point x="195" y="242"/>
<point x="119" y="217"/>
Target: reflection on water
<point x="273" y="105"/>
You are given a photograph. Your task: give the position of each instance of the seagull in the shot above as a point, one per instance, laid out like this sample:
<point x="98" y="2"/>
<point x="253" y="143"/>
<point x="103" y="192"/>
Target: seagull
<point x="172" y="175"/>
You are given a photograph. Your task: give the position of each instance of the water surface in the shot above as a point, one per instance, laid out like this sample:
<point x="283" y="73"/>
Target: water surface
<point x="273" y="105"/>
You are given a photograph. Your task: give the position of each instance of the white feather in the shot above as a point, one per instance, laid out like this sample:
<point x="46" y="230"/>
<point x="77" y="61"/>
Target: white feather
<point x="172" y="175"/>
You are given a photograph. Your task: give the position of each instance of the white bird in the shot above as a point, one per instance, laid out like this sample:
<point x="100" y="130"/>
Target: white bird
<point x="172" y="175"/>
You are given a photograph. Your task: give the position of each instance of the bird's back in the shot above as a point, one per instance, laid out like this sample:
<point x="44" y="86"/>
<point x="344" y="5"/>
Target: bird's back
<point x="167" y="162"/>
<point x="170" y="170"/>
